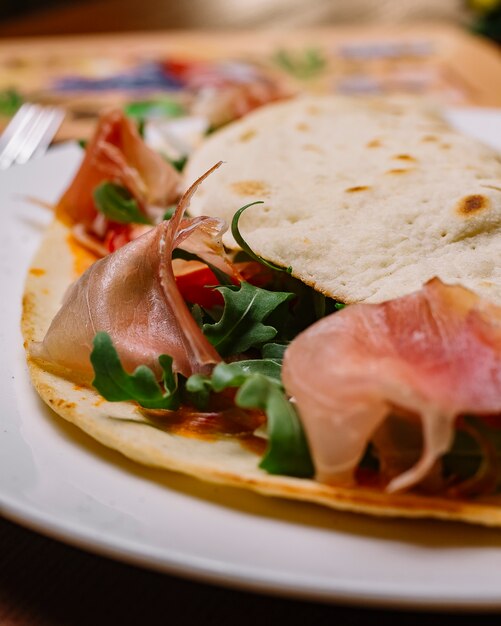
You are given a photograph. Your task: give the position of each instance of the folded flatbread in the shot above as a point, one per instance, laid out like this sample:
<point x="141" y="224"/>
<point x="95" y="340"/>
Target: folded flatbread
<point x="347" y="225"/>
<point x="230" y="461"/>
<point x="366" y="200"/>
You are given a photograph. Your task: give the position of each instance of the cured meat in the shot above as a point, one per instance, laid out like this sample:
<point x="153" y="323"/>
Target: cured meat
<point x="132" y="295"/>
<point x="117" y="153"/>
<point x="425" y="358"/>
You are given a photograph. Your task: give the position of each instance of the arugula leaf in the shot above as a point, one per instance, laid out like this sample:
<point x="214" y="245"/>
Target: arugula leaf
<point x="259" y="388"/>
<point x="141" y="126"/>
<point x="199" y="388"/>
<point x="117" y="204"/>
<point x="241" y="325"/>
<point x="154" y="108"/>
<point x="198" y="315"/>
<point x="235" y="374"/>
<point x="274" y="351"/>
<point x="245" y="246"/>
<point x="10" y="101"/>
<point x="115" y="384"/>
<point x="228" y="375"/>
<point x="287" y="451"/>
<point x="169" y="212"/>
<point x="266" y="367"/>
<point x="179" y="163"/>
<point x="303" y="65"/>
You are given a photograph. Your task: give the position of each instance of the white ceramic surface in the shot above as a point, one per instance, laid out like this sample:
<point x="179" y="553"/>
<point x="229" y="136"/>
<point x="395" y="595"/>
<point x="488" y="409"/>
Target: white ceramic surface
<point x="56" y="480"/>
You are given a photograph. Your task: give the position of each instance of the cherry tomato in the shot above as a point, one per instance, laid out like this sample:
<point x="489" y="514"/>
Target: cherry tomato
<point x="117" y="235"/>
<point x="194" y="282"/>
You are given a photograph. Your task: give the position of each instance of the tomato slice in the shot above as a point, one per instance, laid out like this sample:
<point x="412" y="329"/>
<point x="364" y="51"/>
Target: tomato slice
<point x="255" y="273"/>
<point x="194" y="280"/>
<point x="117" y="235"/>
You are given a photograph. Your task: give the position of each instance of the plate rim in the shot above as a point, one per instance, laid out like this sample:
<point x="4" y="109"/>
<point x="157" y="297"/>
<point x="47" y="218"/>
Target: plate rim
<point x="242" y="577"/>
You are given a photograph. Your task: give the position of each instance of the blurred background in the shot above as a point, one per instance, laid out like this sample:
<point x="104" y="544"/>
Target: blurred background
<point x="40" y="17"/>
<point x="218" y="59"/>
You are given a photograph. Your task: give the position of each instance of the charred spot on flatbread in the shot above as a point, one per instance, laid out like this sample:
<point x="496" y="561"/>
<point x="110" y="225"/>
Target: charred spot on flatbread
<point x="398" y="171"/>
<point x="247" y="135"/>
<point x="37" y="271"/>
<point x="404" y="157"/>
<point x="250" y="188"/>
<point x="357" y="188"/>
<point x="470" y="205"/>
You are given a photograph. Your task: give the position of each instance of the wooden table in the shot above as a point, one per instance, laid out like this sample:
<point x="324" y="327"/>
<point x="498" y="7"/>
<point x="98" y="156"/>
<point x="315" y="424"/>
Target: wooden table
<point x="442" y="62"/>
<point x="44" y="582"/>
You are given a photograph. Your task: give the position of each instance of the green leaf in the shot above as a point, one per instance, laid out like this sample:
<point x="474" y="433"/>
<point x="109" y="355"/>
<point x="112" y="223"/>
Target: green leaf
<point x="179" y="163"/>
<point x="235" y="374"/>
<point x="245" y="246"/>
<point x="287" y="451"/>
<point x="274" y="351"/>
<point x="227" y="375"/>
<point x="266" y="367"/>
<point x="10" y="101"/>
<point x="169" y="212"/>
<point x="241" y="325"/>
<point x="154" y="108"/>
<point x="199" y="388"/>
<point x="303" y="65"/>
<point x="141" y="126"/>
<point x="116" y="385"/>
<point x="198" y="315"/>
<point x="117" y="204"/>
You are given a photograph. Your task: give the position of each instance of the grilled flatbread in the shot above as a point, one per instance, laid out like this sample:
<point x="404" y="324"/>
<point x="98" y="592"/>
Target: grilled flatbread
<point x="366" y="200"/>
<point x="230" y="461"/>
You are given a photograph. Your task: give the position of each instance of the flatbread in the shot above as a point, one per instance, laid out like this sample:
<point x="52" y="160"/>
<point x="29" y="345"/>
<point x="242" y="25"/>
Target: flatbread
<point x="366" y="200"/>
<point x="122" y="426"/>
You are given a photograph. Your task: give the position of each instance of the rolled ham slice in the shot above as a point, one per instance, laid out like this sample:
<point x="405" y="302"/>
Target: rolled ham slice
<point x="117" y="153"/>
<point x="427" y="357"/>
<point x="132" y="295"/>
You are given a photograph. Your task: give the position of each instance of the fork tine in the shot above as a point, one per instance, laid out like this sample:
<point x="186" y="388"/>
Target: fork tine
<point x="45" y="126"/>
<point x="26" y="136"/>
<point x="55" y="122"/>
<point x="18" y="127"/>
<point x="15" y="123"/>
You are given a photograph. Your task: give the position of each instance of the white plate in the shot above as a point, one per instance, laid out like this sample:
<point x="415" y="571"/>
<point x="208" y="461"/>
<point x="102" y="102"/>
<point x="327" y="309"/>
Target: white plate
<point x="55" y="479"/>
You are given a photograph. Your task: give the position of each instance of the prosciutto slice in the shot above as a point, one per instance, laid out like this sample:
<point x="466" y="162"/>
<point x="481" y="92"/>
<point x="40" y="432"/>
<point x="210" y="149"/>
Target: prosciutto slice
<point x="117" y="153"/>
<point x="426" y="357"/>
<point x="132" y="295"/>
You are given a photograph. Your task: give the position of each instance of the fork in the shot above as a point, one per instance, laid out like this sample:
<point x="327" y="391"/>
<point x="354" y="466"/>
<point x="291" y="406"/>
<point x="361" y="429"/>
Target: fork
<point x="29" y="133"/>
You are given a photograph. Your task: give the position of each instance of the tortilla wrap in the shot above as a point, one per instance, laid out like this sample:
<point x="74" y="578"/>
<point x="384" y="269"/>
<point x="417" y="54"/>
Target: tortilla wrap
<point x="366" y="200"/>
<point x="123" y="427"/>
